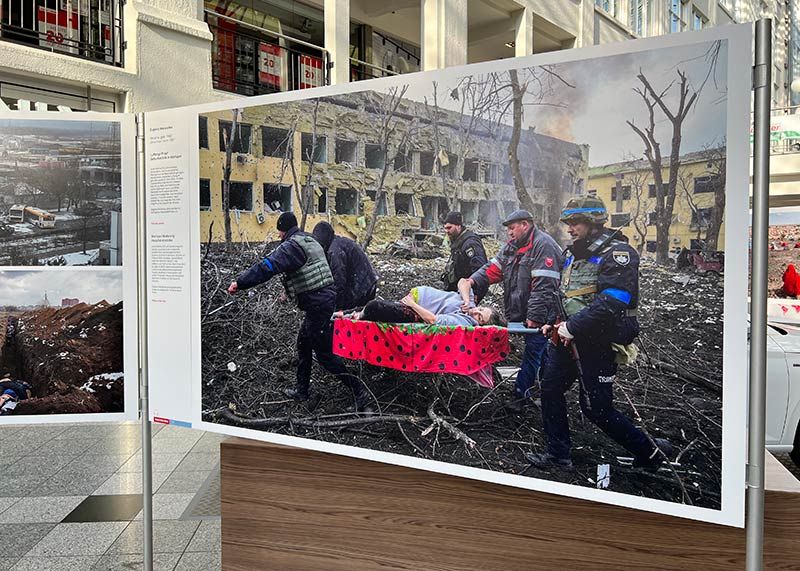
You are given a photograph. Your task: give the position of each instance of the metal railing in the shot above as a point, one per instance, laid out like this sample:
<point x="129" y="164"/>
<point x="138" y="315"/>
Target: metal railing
<point x="360" y="70"/>
<point x="86" y="29"/>
<point x="250" y="60"/>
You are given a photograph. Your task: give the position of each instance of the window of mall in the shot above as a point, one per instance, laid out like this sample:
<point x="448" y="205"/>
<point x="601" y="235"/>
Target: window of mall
<point x="268" y="46"/>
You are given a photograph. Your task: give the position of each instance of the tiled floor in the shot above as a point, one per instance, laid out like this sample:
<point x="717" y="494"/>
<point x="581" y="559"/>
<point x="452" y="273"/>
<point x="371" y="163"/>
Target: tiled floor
<point x="47" y="472"/>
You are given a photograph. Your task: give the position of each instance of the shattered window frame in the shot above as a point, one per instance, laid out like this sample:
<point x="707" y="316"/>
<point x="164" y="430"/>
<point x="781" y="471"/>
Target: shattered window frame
<point x="349" y="144"/>
<point x="284" y="199"/>
<point x="472" y="170"/>
<point x="381" y="207"/>
<point x="275" y="142"/>
<point x="703" y="184"/>
<point x="652" y="216"/>
<point x="626" y="192"/>
<point x="626" y="216"/>
<point x="469" y="211"/>
<point x="342" y="198"/>
<point x="321" y="204"/>
<point x="374" y="156"/>
<point x="651" y="189"/>
<point x="238" y="186"/>
<point x="426" y="163"/>
<point x="205" y="191"/>
<point x="651" y="246"/>
<point x="243" y="140"/>
<point x="411" y="210"/>
<point x="701" y="218"/>
<point x="202" y="131"/>
<point x="320" y="152"/>
<point x="403" y="161"/>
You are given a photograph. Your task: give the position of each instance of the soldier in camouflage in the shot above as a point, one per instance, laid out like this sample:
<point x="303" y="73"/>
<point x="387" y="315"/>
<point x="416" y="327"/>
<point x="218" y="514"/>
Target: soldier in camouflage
<point x="308" y="279"/>
<point x="600" y="289"/>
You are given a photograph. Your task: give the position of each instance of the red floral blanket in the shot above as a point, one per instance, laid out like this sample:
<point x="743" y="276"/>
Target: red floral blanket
<point x="416" y="348"/>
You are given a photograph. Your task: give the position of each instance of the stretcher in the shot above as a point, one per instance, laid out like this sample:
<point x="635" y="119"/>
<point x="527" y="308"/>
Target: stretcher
<point x="423" y="348"/>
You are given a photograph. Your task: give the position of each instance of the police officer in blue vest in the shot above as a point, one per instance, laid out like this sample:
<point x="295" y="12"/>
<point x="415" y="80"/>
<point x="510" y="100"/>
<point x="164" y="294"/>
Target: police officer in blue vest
<point x="309" y="280"/>
<point x="600" y="292"/>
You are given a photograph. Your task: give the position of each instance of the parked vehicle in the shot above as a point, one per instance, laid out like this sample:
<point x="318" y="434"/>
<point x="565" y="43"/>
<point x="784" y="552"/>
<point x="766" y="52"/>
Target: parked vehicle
<point x="783" y="390"/>
<point x="35" y="216"/>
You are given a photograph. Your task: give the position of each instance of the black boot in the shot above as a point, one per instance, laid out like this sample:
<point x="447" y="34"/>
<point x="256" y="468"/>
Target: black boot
<point x="363" y="401"/>
<point x="652" y="462"/>
<point x="311" y="399"/>
<point x="546" y="461"/>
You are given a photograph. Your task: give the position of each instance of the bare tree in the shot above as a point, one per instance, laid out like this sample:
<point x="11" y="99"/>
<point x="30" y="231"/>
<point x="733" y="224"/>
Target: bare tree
<point x="386" y="111"/>
<point x="717" y="168"/>
<point x="665" y="195"/>
<point x="229" y="138"/>
<point x="637" y="178"/>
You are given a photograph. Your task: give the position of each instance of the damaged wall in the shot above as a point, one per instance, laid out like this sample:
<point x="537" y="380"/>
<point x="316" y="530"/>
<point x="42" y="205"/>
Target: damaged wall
<point x="352" y="123"/>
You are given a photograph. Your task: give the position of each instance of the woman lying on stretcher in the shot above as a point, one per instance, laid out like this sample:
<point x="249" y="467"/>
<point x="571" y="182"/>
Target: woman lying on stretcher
<point x="429" y="305"/>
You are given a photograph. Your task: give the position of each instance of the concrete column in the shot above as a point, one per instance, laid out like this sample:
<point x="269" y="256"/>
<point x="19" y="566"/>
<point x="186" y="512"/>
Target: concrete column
<point x="337" y="39"/>
<point x="444" y="33"/>
<point x="523" y="37"/>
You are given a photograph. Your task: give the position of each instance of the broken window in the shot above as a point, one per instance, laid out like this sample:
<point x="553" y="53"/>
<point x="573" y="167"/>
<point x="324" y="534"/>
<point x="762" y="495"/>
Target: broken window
<point x="307" y="147"/>
<point x="403" y="203"/>
<point x="509" y="206"/>
<point x="203" y="131"/>
<point x="374" y="156"/>
<point x="430" y="212"/>
<point x="703" y="184"/>
<point x="651" y="246"/>
<point x="626" y="193"/>
<point x="695" y="244"/>
<point x="469" y="212"/>
<point x="651" y="189"/>
<point x="451" y="168"/>
<point x="492" y="173"/>
<point x="402" y="161"/>
<point x="346" y="201"/>
<point x="652" y="218"/>
<point x="241" y="139"/>
<point x="275" y="142"/>
<point x="241" y="196"/>
<point x="277" y="198"/>
<point x="426" y="163"/>
<point x="205" y="194"/>
<point x="620" y="219"/>
<point x="508" y="176"/>
<point x="472" y="169"/>
<point x="346" y="151"/>
<point x="322" y="200"/>
<point x="701" y="218"/>
<point x="380" y="206"/>
<point x="487" y="213"/>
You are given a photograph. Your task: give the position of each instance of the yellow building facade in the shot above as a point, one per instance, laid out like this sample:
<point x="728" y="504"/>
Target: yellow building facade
<point x="632" y="209"/>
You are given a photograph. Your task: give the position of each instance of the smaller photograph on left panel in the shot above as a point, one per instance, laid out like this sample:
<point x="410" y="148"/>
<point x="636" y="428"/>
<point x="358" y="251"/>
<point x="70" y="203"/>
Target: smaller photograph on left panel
<point x="61" y="342"/>
<point x="60" y="192"/>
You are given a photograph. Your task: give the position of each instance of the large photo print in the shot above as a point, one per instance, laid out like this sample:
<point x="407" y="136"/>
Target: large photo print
<point x="518" y="272"/>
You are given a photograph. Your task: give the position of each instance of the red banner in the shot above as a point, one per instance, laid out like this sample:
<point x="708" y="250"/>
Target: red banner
<point x="311" y="72"/>
<point x="270" y="65"/>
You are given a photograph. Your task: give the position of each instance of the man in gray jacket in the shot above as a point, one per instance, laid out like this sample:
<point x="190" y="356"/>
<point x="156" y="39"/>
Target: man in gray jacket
<point x="529" y="266"/>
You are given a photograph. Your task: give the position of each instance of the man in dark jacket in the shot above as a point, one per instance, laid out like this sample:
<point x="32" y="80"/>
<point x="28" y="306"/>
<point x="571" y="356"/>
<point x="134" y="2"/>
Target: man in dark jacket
<point x="354" y="277"/>
<point x="528" y="265"/>
<point x="11" y="392"/>
<point x="308" y="279"/>
<point x="600" y="287"/>
<point x="466" y="254"/>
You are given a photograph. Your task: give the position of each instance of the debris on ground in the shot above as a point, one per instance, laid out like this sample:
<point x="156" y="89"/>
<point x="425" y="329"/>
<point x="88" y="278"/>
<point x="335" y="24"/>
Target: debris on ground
<point x="672" y="391"/>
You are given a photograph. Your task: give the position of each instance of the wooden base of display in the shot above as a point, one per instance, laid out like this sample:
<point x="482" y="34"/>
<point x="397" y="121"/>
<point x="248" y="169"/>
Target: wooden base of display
<point x="289" y="509"/>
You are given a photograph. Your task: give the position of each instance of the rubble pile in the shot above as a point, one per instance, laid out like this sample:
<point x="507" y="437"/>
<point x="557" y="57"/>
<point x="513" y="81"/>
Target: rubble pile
<point x="72" y="357"/>
<point x="248" y="358"/>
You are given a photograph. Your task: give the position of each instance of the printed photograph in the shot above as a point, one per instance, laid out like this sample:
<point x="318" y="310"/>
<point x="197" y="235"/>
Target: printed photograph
<point x="519" y="271"/>
<point x="60" y="193"/>
<point x="61" y="346"/>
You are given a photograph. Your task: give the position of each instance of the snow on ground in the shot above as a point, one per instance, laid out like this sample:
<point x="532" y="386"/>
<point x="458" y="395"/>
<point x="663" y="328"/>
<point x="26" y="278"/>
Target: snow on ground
<point x="23" y="228"/>
<point x="75" y="258"/>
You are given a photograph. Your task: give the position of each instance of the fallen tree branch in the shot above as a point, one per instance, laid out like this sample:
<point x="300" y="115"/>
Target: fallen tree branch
<point x="455" y="432"/>
<point x="688" y="376"/>
<point x="311" y="422"/>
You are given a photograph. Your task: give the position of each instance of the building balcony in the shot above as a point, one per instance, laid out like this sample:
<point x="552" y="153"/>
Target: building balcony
<point x="86" y="29"/>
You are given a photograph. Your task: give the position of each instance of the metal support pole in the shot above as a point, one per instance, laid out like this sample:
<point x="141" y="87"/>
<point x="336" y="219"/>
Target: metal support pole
<point x="762" y="83"/>
<point x="144" y="396"/>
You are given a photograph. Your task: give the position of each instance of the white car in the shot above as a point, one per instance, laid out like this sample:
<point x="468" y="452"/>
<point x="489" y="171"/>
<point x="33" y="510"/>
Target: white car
<point x="783" y="389"/>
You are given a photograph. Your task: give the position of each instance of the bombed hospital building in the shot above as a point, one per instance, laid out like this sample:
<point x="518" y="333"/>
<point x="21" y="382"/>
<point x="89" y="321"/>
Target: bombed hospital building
<point x="343" y="158"/>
